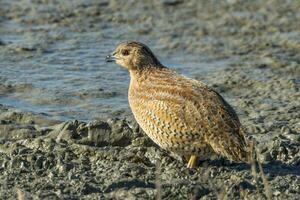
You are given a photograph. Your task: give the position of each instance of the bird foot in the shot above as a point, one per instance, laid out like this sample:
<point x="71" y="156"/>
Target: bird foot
<point x="192" y="162"/>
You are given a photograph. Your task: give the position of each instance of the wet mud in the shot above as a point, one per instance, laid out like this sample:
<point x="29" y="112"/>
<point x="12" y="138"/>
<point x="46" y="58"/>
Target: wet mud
<point x="66" y="131"/>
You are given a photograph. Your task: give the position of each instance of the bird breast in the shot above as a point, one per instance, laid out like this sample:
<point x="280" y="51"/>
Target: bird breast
<point x="167" y="108"/>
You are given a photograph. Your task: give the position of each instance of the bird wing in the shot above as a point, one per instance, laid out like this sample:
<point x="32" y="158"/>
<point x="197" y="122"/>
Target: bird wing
<point x="176" y="110"/>
<point x="222" y="129"/>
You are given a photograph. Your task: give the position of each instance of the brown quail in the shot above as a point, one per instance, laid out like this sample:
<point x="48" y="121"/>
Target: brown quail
<point x="180" y="114"/>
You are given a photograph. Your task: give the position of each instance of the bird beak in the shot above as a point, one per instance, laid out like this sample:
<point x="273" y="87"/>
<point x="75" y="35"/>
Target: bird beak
<point x="110" y="57"/>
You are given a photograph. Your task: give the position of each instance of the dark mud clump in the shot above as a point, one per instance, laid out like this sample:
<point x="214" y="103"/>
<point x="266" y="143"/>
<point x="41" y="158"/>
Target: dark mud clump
<point x="46" y="158"/>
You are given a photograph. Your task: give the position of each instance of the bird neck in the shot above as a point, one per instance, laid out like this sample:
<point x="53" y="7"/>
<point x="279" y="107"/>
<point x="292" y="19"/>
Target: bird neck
<point x="142" y="74"/>
<point x="146" y="64"/>
<point x="139" y="75"/>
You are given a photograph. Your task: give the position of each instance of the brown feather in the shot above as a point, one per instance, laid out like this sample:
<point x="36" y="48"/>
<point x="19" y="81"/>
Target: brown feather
<point x="180" y="114"/>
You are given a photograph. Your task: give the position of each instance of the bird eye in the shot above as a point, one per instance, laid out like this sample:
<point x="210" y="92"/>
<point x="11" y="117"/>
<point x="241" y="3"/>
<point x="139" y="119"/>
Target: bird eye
<point x="125" y="52"/>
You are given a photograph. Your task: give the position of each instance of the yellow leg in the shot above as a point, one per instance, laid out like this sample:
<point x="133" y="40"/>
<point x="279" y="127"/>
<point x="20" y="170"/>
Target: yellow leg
<point x="192" y="162"/>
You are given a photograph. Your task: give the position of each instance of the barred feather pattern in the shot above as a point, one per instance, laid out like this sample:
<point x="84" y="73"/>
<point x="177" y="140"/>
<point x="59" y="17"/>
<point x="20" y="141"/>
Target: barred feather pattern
<point x="184" y="115"/>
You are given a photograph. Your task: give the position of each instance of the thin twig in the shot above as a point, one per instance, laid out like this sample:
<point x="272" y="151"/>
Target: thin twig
<point x="267" y="187"/>
<point x="20" y="194"/>
<point x="252" y="161"/>
<point x="158" y="181"/>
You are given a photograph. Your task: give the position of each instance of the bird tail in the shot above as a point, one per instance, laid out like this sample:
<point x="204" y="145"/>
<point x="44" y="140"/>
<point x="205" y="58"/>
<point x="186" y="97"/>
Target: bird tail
<point x="234" y="147"/>
<point x="246" y="151"/>
<point x="239" y="152"/>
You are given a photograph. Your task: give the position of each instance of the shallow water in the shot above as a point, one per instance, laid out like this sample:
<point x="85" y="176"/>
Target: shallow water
<point x="62" y="74"/>
<point x="52" y="52"/>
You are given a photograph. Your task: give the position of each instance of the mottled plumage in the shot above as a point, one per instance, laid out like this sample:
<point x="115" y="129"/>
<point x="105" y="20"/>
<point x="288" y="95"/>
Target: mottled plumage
<point x="180" y="114"/>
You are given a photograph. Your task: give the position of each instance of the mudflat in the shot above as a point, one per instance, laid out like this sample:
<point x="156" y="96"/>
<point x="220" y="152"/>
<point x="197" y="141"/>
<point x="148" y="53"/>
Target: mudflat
<point x="66" y="131"/>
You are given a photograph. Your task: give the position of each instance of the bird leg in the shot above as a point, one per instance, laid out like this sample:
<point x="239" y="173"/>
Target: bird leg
<point x="192" y="162"/>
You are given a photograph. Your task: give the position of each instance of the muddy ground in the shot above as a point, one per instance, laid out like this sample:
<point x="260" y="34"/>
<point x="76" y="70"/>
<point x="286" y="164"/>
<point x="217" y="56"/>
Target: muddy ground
<point x="44" y="157"/>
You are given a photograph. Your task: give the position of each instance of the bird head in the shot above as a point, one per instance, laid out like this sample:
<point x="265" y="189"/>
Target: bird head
<point x="134" y="56"/>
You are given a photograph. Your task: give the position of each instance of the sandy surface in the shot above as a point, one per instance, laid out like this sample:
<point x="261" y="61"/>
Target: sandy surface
<point x="54" y="145"/>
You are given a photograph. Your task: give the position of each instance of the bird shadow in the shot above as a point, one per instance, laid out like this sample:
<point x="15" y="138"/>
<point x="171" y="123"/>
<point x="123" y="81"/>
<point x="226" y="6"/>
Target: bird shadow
<point x="128" y="184"/>
<point x="273" y="168"/>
